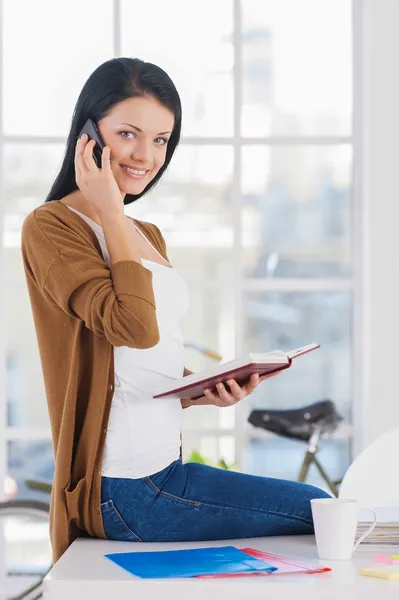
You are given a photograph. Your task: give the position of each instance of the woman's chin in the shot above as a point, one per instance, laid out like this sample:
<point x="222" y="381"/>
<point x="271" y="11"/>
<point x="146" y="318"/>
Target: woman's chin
<point x="132" y="186"/>
<point x="134" y="189"/>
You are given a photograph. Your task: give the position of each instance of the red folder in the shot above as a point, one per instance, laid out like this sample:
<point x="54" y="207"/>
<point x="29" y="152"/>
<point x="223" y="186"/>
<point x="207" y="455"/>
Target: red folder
<point x="285" y="566"/>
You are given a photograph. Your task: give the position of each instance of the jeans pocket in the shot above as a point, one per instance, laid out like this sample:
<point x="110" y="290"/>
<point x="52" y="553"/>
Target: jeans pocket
<point x="115" y="527"/>
<point x="169" y="496"/>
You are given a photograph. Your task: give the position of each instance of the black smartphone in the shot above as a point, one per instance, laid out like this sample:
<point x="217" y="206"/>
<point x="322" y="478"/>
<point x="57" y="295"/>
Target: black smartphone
<point x="91" y="129"/>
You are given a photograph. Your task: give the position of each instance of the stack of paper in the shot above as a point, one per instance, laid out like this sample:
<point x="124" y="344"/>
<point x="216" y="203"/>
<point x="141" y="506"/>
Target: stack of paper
<point x="382" y="534"/>
<point x="224" y="561"/>
<point x="386" y="532"/>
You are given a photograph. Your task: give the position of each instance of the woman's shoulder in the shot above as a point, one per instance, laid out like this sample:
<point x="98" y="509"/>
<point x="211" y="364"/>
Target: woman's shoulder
<point x="48" y="210"/>
<point x="36" y="218"/>
<point x="38" y="235"/>
<point x="53" y="223"/>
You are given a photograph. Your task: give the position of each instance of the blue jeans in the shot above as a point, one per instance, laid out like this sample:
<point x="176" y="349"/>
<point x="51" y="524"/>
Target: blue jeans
<point x="192" y="502"/>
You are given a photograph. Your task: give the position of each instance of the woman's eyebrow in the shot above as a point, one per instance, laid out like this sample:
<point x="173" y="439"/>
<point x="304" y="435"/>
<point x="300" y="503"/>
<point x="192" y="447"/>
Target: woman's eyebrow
<point x="140" y="130"/>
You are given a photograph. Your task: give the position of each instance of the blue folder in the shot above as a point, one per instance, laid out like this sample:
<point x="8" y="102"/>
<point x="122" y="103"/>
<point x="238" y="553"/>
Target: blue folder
<point x="188" y="563"/>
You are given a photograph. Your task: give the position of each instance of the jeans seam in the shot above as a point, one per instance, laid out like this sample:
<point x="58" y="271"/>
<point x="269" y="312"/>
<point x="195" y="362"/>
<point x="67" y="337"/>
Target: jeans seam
<point x="213" y="505"/>
<point x="171" y="496"/>
<point x="115" y="512"/>
<point x="171" y="471"/>
<point x="257" y="510"/>
<point x="106" y="507"/>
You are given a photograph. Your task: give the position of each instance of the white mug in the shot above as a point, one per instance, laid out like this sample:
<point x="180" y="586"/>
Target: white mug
<point x="335" y="523"/>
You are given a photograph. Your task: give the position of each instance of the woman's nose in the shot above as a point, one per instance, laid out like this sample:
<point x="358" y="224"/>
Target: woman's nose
<point x="142" y="150"/>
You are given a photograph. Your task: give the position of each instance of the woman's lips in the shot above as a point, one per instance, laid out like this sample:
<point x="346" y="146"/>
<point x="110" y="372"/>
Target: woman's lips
<point x="133" y="175"/>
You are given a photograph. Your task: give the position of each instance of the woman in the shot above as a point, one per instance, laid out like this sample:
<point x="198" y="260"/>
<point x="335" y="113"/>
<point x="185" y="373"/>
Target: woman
<point x="107" y="306"/>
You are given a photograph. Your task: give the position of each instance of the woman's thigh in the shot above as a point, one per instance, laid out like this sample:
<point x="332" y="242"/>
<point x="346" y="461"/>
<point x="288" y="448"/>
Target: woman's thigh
<point x="195" y="502"/>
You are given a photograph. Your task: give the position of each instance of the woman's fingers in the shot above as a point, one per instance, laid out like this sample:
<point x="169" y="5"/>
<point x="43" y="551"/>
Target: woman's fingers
<point x="219" y="397"/>
<point x="237" y="391"/>
<point x="80" y="165"/>
<point x="224" y="398"/>
<point x="252" y="383"/>
<point x="106" y="159"/>
<point x="224" y="394"/>
<point x="88" y="155"/>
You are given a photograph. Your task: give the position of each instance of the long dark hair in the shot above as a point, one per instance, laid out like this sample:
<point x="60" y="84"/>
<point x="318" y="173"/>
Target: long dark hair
<point x="112" y="82"/>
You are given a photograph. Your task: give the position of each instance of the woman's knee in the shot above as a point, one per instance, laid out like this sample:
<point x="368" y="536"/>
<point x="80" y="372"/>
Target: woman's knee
<point x="308" y="493"/>
<point x="316" y="492"/>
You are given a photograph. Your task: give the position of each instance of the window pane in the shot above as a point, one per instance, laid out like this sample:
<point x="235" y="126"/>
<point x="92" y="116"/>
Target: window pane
<point x="192" y="42"/>
<point x="24" y="539"/>
<point x="29" y="171"/>
<point x="296" y="67"/>
<point x="47" y="59"/>
<point x="211" y="449"/>
<point x="296" y="211"/>
<point x="30" y="460"/>
<point x="288" y="320"/>
<point x="280" y="457"/>
<point x="192" y="207"/>
<point x="209" y="323"/>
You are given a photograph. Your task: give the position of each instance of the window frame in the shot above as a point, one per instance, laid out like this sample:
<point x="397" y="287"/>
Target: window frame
<point x="241" y="284"/>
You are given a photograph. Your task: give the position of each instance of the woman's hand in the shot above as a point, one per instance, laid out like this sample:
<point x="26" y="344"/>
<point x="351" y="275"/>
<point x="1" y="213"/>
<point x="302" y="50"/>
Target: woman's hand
<point x="224" y="398"/>
<point x="98" y="186"/>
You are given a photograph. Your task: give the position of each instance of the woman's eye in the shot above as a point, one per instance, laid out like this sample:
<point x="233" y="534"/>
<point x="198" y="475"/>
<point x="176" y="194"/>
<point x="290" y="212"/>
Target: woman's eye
<point x="159" y="141"/>
<point x="131" y="132"/>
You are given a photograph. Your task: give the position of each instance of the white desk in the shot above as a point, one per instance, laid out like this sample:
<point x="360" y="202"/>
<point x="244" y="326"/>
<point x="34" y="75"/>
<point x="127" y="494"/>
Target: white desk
<point x="83" y="572"/>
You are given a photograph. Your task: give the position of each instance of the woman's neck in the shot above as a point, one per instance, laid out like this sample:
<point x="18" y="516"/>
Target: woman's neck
<point x="77" y="201"/>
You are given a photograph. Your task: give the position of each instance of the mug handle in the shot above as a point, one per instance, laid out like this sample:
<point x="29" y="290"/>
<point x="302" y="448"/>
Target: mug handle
<point x="369" y="530"/>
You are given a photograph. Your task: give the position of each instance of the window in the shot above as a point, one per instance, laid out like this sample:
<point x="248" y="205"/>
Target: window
<point x="255" y="207"/>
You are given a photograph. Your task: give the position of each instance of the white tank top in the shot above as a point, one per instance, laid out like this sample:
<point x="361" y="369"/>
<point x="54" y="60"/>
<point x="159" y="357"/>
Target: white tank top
<point x="143" y="433"/>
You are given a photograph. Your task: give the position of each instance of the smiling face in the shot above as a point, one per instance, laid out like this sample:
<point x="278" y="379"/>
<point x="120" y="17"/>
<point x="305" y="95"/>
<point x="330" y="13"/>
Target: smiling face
<point x="137" y="131"/>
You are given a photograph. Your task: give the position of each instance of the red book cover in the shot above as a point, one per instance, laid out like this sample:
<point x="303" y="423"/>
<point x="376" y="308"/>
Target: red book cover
<point x="239" y="369"/>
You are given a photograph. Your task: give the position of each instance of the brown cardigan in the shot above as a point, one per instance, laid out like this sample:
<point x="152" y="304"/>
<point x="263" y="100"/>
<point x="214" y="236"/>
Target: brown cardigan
<point x="81" y="310"/>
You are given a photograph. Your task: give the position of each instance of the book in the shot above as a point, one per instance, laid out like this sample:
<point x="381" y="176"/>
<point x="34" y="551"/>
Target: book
<point x="188" y="563"/>
<point x="192" y="386"/>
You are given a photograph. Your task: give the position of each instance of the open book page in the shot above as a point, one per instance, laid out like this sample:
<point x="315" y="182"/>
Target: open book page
<point x="303" y="350"/>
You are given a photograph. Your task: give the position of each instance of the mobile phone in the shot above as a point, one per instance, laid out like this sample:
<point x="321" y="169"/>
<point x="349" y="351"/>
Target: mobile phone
<point x="91" y="129"/>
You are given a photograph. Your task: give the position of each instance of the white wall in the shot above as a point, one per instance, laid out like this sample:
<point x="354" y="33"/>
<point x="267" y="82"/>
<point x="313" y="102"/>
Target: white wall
<point x="377" y="180"/>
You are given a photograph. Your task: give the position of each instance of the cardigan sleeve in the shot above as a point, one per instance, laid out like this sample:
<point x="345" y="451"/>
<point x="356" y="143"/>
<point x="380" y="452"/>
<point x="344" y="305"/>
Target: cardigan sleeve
<point x="117" y="303"/>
